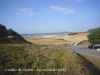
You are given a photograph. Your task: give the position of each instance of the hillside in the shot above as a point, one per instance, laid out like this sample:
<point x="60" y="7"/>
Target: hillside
<point x="32" y="59"/>
<point x="59" y="40"/>
<point x="10" y="36"/>
<point x="18" y="57"/>
<point x="92" y="30"/>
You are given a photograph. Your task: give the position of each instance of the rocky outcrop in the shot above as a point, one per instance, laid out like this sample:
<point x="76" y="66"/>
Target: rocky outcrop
<point x="10" y="31"/>
<point x="2" y="27"/>
<point x="3" y="31"/>
<point x="14" y="35"/>
<point x="9" y="34"/>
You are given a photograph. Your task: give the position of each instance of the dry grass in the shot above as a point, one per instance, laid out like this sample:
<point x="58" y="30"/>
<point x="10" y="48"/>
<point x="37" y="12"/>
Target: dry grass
<point x="42" y="57"/>
<point x="66" y="40"/>
<point x="84" y="42"/>
<point x="50" y="41"/>
<point x="94" y="59"/>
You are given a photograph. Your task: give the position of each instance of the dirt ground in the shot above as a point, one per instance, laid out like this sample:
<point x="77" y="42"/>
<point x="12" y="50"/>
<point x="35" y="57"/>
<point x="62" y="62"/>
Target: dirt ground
<point x="59" y="40"/>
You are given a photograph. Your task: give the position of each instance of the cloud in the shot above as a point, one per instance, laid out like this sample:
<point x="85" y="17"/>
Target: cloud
<point x="62" y="10"/>
<point x="25" y="12"/>
<point x="79" y="0"/>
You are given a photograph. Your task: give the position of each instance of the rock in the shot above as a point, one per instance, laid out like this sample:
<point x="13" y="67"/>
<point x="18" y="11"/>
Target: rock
<point x="14" y="35"/>
<point x="10" y="34"/>
<point x="2" y="27"/>
<point x="10" y="31"/>
<point x="3" y="31"/>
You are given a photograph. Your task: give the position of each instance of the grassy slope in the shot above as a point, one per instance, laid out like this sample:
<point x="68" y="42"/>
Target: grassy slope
<point x="40" y="56"/>
<point x="92" y="30"/>
<point x="84" y="42"/>
<point x="94" y="59"/>
<point x="4" y="40"/>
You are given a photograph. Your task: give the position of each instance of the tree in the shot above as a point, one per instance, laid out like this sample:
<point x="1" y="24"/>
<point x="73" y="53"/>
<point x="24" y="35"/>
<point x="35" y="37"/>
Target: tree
<point x="94" y="37"/>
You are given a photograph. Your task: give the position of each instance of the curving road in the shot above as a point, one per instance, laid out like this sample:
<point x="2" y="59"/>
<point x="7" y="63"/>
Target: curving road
<point x="84" y="50"/>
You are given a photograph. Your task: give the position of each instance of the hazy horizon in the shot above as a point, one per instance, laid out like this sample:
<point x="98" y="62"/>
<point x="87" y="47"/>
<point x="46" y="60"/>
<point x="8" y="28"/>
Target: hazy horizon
<point x="47" y="16"/>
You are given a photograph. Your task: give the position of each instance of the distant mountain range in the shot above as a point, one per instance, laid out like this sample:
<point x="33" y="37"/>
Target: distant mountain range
<point x="53" y="33"/>
<point x="92" y="30"/>
<point x="57" y="33"/>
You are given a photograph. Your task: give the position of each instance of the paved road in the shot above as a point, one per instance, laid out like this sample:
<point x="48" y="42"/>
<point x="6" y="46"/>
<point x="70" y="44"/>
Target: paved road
<point x="84" y="50"/>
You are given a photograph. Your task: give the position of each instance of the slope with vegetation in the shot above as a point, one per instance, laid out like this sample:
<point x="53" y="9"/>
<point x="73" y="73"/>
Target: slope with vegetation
<point x="33" y="59"/>
<point x="10" y="36"/>
<point x="92" y="30"/>
<point x="41" y="57"/>
<point x="94" y="37"/>
<point x="84" y="42"/>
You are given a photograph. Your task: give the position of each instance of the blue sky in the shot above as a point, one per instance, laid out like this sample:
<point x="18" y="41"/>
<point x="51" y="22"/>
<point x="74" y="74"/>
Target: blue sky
<point x="45" y="16"/>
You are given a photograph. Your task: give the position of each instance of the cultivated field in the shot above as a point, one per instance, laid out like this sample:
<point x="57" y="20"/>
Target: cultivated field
<point x="59" y="40"/>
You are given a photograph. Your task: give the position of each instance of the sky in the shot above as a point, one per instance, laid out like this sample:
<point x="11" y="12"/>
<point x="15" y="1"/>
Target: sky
<point x="46" y="16"/>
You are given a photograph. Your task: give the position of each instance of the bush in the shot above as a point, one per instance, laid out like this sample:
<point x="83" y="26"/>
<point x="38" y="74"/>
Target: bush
<point x="84" y="42"/>
<point x="73" y="34"/>
<point x="94" y="38"/>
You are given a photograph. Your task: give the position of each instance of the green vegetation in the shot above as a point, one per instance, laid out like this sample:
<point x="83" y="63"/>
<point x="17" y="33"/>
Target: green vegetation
<point x="84" y="42"/>
<point x="61" y="39"/>
<point x="73" y="34"/>
<point x="40" y="58"/>
<point x="92" y="30"/>
<point x="95" y="60"/>
<point x="18" y="57"/>
<point x="3" y="31"/>
<point x="94" y="37"/>
<point x="4" y="40"/>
